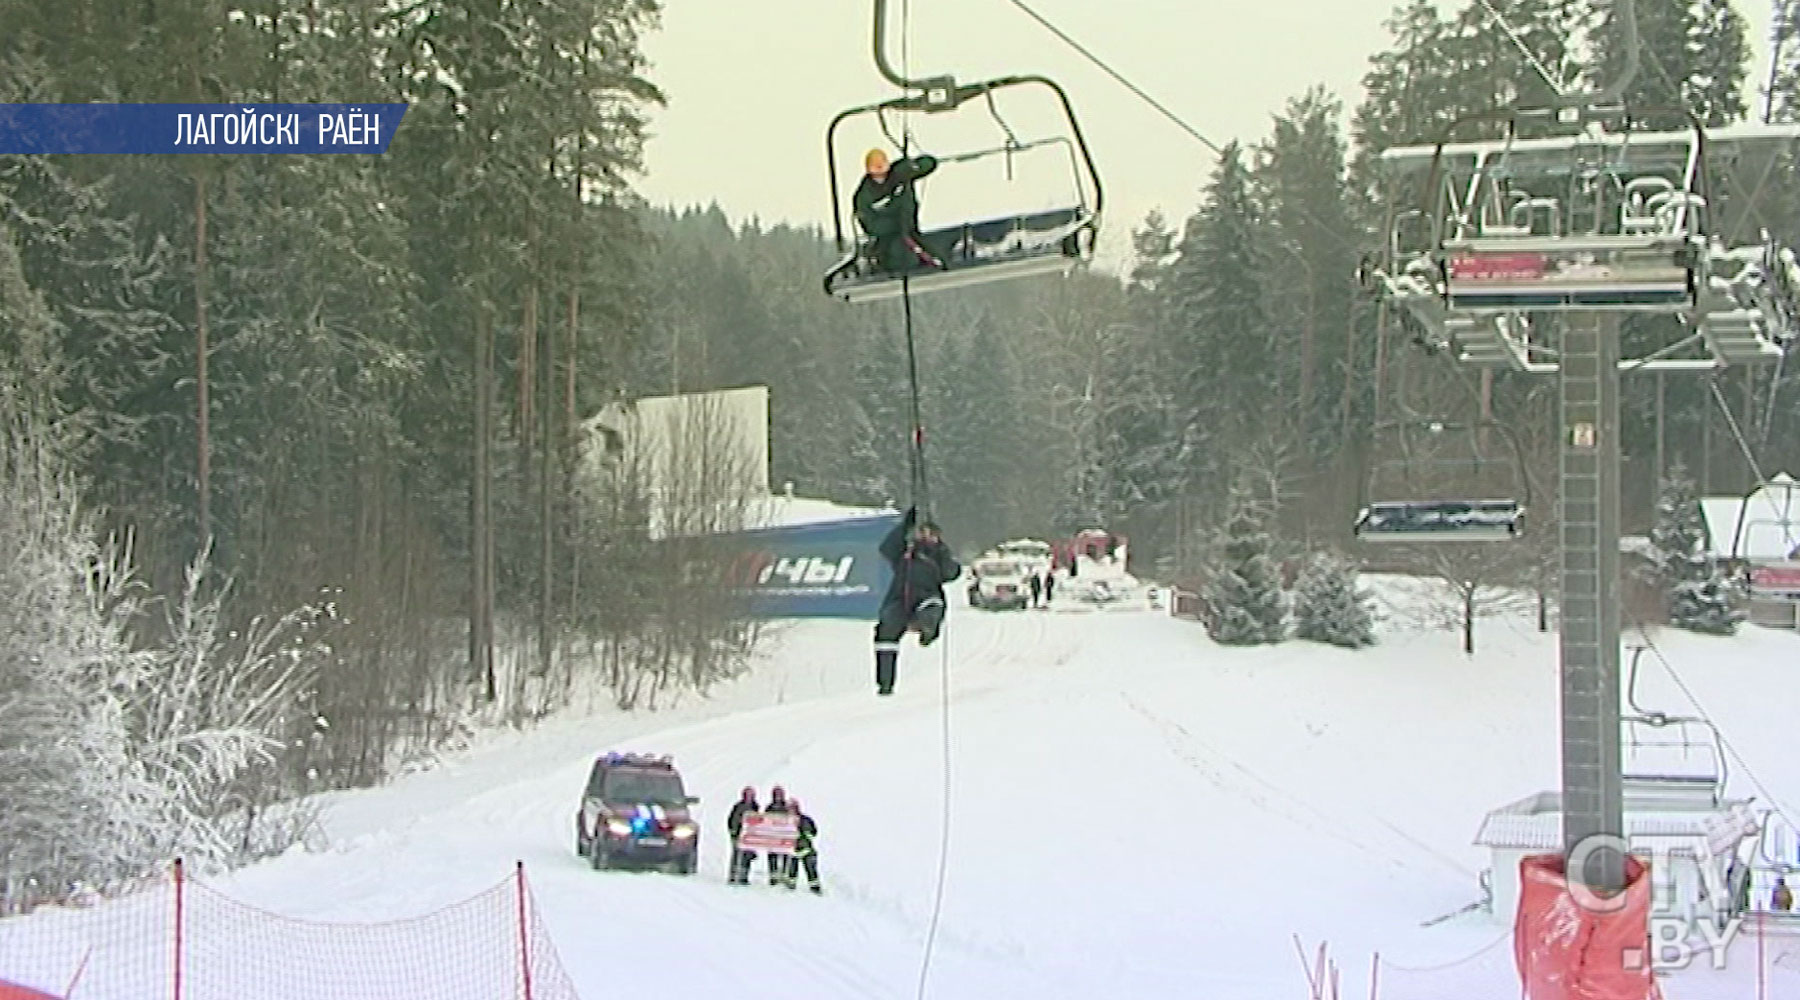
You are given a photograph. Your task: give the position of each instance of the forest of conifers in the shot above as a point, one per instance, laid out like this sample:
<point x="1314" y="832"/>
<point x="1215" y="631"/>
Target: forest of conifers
<point x="350" y="388"/>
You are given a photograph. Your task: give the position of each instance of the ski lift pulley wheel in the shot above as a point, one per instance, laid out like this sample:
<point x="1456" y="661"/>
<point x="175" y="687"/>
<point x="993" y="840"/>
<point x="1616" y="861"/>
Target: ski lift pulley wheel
<point x="978" y="251"/>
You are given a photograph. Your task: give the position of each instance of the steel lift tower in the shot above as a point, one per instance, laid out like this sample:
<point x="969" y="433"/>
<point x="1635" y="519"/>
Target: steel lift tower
<point x="1528" y="237"/>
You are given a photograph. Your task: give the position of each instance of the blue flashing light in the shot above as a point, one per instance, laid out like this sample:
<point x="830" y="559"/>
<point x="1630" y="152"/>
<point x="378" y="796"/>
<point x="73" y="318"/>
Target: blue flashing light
<point x="614" y="757"/>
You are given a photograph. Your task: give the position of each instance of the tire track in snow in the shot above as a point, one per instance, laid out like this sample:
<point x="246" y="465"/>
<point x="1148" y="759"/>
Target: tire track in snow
<point x="711" y="750"/>
<point x="1215" y="766"/>
<point x="804" y="954"/>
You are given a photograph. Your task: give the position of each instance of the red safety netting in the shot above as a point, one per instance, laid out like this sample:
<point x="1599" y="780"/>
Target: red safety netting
<point x="13" y="991"/>
<point x="1486" y="973"/>
<point x="182" y="940"/>
<point x="1569" y="946"/>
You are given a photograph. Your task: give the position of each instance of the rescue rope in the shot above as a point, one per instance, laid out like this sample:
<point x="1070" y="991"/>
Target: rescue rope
<point x="920" y="489"/>
<point x="920" y="486"/>
<point x="943" y="864"/>
<point x="921" y="498"/>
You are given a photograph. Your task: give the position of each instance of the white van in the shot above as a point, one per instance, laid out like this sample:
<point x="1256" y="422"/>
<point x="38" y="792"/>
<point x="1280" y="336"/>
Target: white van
<point x="999" y="583"/>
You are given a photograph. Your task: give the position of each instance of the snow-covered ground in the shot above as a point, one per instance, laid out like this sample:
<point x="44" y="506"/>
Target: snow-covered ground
<point x="1135" y="811"/>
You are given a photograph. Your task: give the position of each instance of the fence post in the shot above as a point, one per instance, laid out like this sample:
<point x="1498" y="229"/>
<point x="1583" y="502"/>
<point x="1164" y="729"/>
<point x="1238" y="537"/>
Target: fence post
<point x="524" y="930"/>
<point x="180" y="921"/>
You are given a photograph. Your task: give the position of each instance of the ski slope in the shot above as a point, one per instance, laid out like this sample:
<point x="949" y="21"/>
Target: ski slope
<point x="1134" y="810"/>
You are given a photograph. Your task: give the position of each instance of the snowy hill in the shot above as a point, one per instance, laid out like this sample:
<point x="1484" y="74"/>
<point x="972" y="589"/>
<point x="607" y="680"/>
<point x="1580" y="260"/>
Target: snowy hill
<point x="1135" y="811"/>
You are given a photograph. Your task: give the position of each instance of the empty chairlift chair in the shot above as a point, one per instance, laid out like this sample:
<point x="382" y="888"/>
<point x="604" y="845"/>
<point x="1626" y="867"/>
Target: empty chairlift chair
<point x="1672" y="759"/>
<point x="1434" y="481"/>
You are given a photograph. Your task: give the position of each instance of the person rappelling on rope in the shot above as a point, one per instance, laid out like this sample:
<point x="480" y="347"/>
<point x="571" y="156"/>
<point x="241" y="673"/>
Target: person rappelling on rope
<point x="888" y="210"/>
<point x="922" y="565"/>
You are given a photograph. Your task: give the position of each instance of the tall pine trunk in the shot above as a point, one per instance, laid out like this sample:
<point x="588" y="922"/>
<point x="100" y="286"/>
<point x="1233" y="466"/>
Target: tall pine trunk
<point x="202" y="404"/>
<point x="571" y="447"/>
<point x="481" y="650"/>
<point x="547" y="479"/>
<point x="568" y="441"/>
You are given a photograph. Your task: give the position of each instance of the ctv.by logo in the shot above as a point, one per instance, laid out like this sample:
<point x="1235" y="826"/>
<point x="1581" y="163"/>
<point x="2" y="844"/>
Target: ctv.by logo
<point x="1678" y="931"/>
<point x="808" y="569"/>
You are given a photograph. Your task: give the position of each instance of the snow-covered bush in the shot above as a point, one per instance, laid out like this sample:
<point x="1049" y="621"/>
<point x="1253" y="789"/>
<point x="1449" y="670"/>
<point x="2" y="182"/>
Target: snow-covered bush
<point x="1249" y="607"/>
<point x="1699" y="596"/>
<point x="1329" y="607"/>
<point x="116" y="755"/>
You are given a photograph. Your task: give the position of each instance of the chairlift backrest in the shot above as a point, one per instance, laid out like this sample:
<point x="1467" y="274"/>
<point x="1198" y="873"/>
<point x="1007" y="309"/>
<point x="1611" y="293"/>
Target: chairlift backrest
<point x="1433" y="461"/>
<point x="1526" y="213"/>
<point x="1089" y="193"/>
<point x="1639" y="214"/>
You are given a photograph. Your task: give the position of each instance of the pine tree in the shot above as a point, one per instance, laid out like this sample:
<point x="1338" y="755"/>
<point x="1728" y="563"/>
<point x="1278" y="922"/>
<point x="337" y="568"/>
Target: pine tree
<point x="1443" y="68"/>
<point x="1783" y="95"/>
<point x="1152" y="246"/>
<point x="1699" y="595"/>
<point x="1328" y="606"/>
<point x="1248" y="604"/>
<point x="1301" y="182"/>
<point x="1693" y="56"/>
<point x="1222" y="363"/>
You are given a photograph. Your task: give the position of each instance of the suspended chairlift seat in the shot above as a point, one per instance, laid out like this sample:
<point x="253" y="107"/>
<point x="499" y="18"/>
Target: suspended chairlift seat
<point x="1415" y="521"/>
<point x="1420" y="496"/>
<point x="979" y="251"/>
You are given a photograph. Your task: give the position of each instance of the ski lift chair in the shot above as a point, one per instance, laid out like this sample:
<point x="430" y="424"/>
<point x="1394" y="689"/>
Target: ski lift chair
<point x="1438" y="492"/>
<point x="982" y="250"/>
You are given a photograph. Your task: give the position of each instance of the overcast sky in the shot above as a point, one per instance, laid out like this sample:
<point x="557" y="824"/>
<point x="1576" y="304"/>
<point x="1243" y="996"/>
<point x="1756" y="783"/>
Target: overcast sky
<point x="752" y="85"/>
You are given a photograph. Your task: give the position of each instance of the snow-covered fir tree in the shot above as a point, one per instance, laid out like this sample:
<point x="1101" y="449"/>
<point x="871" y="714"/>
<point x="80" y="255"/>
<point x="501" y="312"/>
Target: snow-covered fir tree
<point x="1699" y="595"/>
<point x="1248" y="603"/>
<point x="1328" y="605"/>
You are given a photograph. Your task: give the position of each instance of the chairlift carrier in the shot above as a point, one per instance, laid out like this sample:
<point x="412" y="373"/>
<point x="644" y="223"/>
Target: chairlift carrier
<point x="1524" y="227"/>
<point x="978" y="251"/>
<point x="1599" y="216"/>
<point x="1610" y="221"/>
<point x="1787" y="518"/>
<point x="1445" y="512"/>
<point x="1654" y="739"/>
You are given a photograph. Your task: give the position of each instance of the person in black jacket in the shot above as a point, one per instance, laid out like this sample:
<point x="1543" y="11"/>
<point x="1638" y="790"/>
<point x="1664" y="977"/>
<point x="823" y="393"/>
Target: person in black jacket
<point x="741" y="859"/>
<point x="888" y="210"/>
<point x="804" y="851"/>
<point x="779" y="864"/>
<point x="922" y="565"/>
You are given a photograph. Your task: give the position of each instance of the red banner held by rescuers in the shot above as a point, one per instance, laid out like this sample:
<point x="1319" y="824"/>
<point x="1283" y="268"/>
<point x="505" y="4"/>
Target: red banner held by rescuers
<point x="1573" y="946"/>
<point x="772" y="832"/>
<point x="13" y="991"/>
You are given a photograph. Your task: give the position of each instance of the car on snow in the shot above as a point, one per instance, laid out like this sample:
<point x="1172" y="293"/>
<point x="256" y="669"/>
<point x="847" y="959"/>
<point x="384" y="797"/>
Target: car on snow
<point x="634" y="811"/>
<point x="999" y="583"/>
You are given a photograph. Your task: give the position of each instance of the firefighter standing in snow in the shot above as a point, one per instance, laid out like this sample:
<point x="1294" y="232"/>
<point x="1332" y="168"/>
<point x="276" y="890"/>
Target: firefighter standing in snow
<point x="741" y="859"/>
<point x="778" y="863"/>
<point x="888" y="210"/>
<point x="804" y="851"/>
<point x="922" y="565"/>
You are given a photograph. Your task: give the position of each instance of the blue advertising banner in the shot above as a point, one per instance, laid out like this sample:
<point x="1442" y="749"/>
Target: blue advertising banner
<point x="832" y="569"/>
<point x="134" y="129"/>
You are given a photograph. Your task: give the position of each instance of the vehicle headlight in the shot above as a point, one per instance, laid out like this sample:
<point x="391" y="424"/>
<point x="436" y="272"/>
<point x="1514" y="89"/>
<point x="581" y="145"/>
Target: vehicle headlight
<point x="683" y="831"/>
<point x="618" y="827"/>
